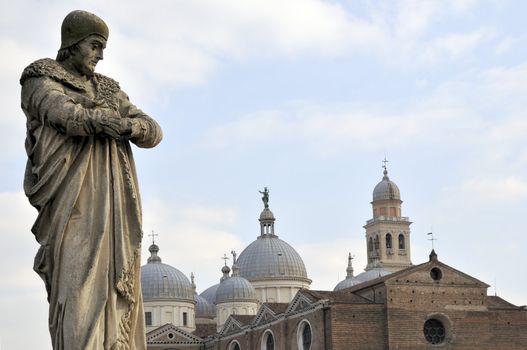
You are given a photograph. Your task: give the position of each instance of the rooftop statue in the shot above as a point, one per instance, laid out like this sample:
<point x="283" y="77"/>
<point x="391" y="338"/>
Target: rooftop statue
<point x="265" y="197"/>
<point x="81" y="177"/>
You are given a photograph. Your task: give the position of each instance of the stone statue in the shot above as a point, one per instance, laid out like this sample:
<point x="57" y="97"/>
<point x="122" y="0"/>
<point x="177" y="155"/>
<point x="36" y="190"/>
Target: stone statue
<point x="81" y="177"/>
<point x="265" y="197"/>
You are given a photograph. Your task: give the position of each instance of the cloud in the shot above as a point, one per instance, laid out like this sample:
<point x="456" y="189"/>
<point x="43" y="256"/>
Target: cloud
<point x="21" y="289"/>
<point x="333" y="129"/>
<point x="191" y="238"/>
<point x="482" y="191"/>
<point x="454" y="45"/>
<point x="331" y="256"/>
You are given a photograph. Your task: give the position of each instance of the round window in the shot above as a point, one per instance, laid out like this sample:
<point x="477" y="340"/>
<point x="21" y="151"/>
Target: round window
<point x="436" y="274"/>
<point x="434" y="331"/>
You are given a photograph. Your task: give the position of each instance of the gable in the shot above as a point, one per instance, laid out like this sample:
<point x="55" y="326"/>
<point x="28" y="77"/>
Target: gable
<point x="435" y="273"/>
<point x="170" y="334"/>
<point x="300" y="302"/>
<point x="264" y="315"/>
<point x="230" y="326"/>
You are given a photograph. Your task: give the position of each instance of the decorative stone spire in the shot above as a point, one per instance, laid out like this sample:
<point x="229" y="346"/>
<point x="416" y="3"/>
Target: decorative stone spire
<point x="235" y="268"/>
<point x="267" y="218"/>
<point x="192" y="283"/>
<point x="349" y="270"/>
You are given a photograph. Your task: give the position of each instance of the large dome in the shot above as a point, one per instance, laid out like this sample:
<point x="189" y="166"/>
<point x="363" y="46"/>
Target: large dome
<point x="162" y="281"/>
<point x="270" y="258"/>
<point x="386" y="189"/>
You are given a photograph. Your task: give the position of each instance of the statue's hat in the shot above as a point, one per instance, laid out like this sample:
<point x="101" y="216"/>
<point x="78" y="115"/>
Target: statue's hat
<point x="78" y="25"/>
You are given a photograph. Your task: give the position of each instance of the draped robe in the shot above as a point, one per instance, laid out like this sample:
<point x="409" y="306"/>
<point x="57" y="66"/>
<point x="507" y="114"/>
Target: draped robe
<point x="84" y="186"/>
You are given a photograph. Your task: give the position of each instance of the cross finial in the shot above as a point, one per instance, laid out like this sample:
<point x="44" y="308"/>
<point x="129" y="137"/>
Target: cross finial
<point x="225" y="258"/>
<point x="384" y="163"/>
<point x="431" y="239"/>
<point x="153" y="235"/>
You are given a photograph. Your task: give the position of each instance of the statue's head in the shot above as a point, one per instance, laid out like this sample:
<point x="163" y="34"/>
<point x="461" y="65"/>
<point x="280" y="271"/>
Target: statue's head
<point x="84" y="37"/>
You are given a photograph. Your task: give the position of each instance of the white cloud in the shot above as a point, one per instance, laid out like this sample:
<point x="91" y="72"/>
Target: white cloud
<point x="192" y="239"/>
<point x="482" y="191"/>
<point x="453" y="45"/>
<point x="326" y="261"/>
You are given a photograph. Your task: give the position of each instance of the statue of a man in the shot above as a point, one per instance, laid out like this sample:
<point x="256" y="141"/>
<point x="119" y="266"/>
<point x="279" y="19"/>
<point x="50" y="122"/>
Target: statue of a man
<point x="81" y="177"/>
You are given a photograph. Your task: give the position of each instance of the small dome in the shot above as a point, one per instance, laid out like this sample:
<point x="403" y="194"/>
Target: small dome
<point x="267" y="214"/>
<point x="270" y="257"/>
<point x="203" y="308"/>
<point x="372" y="274"/>
<point x="209" y="294"/>
<point x="347" y="282"/>
<point x="386" y="189"/>
<point x="350" y="280"/>
<point x="235" y="288"/>
<point x="162" y="281"/>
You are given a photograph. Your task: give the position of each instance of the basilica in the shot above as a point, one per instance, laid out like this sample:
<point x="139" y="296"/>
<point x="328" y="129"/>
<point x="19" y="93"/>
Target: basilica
<point x="263" y="301"/>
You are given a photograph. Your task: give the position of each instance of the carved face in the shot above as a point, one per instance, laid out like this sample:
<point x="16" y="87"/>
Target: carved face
<point x="89" y="53"/>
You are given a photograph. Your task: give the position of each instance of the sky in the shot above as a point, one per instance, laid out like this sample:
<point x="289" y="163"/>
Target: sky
<point x="306" y="97"/>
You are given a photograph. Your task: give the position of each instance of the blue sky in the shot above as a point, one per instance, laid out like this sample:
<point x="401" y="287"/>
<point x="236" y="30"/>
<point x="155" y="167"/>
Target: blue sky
<point x="305" y="97"/>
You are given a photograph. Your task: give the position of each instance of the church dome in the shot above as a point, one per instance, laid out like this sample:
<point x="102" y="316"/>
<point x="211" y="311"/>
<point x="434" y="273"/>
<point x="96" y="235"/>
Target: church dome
<point x="203" y="308"/>
<point x="386" y="189"/>
<point x="350" y="280"/>
<point x="346" y="283"/>
<point x="269" y="257"/>
<point x="267" y="214"/>
<point x="235" y="288"/>
<point x="209" y="294"/>
<point x="376" y="272"/>
<point x="162" y="281"/>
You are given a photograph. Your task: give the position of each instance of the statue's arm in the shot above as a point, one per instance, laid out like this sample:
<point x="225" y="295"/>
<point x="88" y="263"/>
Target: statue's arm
<point x="44" y="99"/>
<point x="146" y="132"/>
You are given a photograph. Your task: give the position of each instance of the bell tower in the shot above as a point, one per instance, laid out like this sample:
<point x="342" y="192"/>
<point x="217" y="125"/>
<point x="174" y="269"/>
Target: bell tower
<point x="388" y="232"/>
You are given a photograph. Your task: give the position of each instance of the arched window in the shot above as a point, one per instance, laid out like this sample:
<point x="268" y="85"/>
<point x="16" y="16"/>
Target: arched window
<point x="304" y="335"/>
<point x="267" y="341"/>
<point x="234" y="345"/>
<point x="388" y="241"/>
<point x="370" y="244"/>
<point x="401" y="241"/>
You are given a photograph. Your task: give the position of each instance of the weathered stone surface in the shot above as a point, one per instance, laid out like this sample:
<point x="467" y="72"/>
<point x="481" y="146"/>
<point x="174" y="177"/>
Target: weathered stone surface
<point x="81" y="177"/>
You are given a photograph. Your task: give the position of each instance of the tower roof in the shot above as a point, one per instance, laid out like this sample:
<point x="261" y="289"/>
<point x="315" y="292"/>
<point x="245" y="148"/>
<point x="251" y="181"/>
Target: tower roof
<point x="386" y="189"/>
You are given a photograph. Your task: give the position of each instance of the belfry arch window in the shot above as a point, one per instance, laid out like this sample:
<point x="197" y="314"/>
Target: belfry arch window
<point x="388" y="241"/>
<point x="370" y="244"/>
<point x="401" y="241"/>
